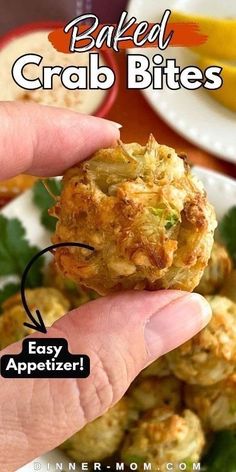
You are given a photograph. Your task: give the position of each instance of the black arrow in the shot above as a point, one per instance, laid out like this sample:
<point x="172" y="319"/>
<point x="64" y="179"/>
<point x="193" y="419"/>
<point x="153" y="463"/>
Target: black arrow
<point x="38" y="323"/>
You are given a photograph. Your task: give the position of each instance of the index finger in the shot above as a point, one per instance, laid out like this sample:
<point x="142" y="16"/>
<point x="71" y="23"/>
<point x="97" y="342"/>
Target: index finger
<point x="45" y="141"/>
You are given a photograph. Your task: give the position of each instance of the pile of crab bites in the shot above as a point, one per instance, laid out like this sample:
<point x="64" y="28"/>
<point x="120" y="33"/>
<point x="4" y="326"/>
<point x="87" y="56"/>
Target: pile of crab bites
<point x="177" y="403"/>
<point x="151" y="226"/>
<point x="48" y="300"/>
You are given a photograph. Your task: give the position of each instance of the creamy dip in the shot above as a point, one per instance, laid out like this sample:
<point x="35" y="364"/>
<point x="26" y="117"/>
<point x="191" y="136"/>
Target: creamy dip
<point x="84" y="101"/>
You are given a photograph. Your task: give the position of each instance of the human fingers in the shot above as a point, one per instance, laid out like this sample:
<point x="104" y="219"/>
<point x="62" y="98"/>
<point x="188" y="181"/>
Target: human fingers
<point x="45" y="141"/>
<point x="121" y="334"/>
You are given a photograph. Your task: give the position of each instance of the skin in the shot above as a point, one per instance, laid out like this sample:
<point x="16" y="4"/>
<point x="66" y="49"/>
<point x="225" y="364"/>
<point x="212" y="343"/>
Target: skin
<point x="38" y="415"/>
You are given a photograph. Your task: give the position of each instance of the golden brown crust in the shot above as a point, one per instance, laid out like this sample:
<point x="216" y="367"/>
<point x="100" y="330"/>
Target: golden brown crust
<point x="194" y="211"/>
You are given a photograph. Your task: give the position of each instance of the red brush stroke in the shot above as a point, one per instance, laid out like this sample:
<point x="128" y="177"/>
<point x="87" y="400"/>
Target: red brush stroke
<point x="185" y="35"/>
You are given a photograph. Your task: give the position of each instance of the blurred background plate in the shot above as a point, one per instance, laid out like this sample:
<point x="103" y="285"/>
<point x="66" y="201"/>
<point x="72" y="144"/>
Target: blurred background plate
<point x="193" y="114"/>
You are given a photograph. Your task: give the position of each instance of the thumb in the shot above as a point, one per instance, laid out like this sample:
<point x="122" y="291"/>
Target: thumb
<point x="121" y="334"/>
<point x="56" y="139"/>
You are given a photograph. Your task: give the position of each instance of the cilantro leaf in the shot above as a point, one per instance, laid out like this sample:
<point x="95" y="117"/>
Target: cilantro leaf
<point x="222" y="454"/>
<point x="7" y="256"/>
<point x="35" y="276"/>
<point x="171" y="218"/>
<point x="171" y="221"/>
<point x="16" y="252"/>
<point x="49" y="222"/>
<point x="44" y="201"/>
<point x="227" y="229"/>
<point x="7" y="291"/>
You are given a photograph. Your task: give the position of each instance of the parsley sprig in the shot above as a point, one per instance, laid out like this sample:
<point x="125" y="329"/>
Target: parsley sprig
<point x="15" y="253"/>
<point x="222" y="454"/>
<point x="44" y="201"/>
<point x="227" y="229"/>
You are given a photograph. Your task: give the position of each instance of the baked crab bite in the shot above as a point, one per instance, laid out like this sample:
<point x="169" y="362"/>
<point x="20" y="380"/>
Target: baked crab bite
<point x="163" y="437"/>
<point x="144" y="213"/>
<point x="229" y="288"/>
<point x="219" y="267"/>
<point x="210" y="356"/>
<point x="214" y="404"/>
<point x="76" y="295"/>
<point x="100" y="438"/>
<point x="154" y="392"/>
<point x="49" y="301"/>
<point x="158" y="368"/>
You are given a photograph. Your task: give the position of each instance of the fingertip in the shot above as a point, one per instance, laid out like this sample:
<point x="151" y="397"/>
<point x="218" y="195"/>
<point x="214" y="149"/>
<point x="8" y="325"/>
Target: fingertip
<point x="205" y="311"/>
<point x="115" y="124"/>
<point x="56" y="138"/>
<point x="109" y="129"/>
<point x="176" y="323"/>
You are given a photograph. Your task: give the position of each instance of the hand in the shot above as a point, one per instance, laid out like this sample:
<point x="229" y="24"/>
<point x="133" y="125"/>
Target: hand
<point x="121" y="333"/>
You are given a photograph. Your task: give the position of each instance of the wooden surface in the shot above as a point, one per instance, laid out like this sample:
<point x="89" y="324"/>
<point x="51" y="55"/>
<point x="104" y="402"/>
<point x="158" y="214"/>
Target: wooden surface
<point x="139" y="120"/>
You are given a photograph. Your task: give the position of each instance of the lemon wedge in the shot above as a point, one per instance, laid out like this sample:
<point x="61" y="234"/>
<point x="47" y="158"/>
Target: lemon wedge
<point x="221" y="32"/>
<point x="226" y="95"/>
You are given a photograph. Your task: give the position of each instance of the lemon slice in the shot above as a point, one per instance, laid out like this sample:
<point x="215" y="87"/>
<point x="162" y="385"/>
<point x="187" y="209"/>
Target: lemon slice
<point x="221" y="32"/>
<point x="226" y="95"/>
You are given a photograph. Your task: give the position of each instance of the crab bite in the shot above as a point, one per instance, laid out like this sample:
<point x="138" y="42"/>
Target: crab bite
<point x="162" y="437"/>
<point x="210" y="356"/>
<point x="145" y="214"/>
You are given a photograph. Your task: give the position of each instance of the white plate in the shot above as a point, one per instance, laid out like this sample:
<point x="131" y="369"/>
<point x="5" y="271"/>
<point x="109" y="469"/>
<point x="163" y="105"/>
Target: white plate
<point x="222" y="194"/>
<point x="193" y="114"/>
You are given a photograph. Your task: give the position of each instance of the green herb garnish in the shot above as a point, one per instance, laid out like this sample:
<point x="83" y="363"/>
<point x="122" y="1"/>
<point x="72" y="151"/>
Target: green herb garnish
<point x="15" y="253"/>
<point x="227" y="229"/>
<point x="171" y="221"/>
<point x="44" y="201"/>
<point x="222" y="454"/>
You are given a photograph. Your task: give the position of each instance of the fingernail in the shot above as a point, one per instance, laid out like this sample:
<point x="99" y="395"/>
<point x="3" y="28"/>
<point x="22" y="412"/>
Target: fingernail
<point x="117" y="125"/>
<point x="175" y="323"/>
